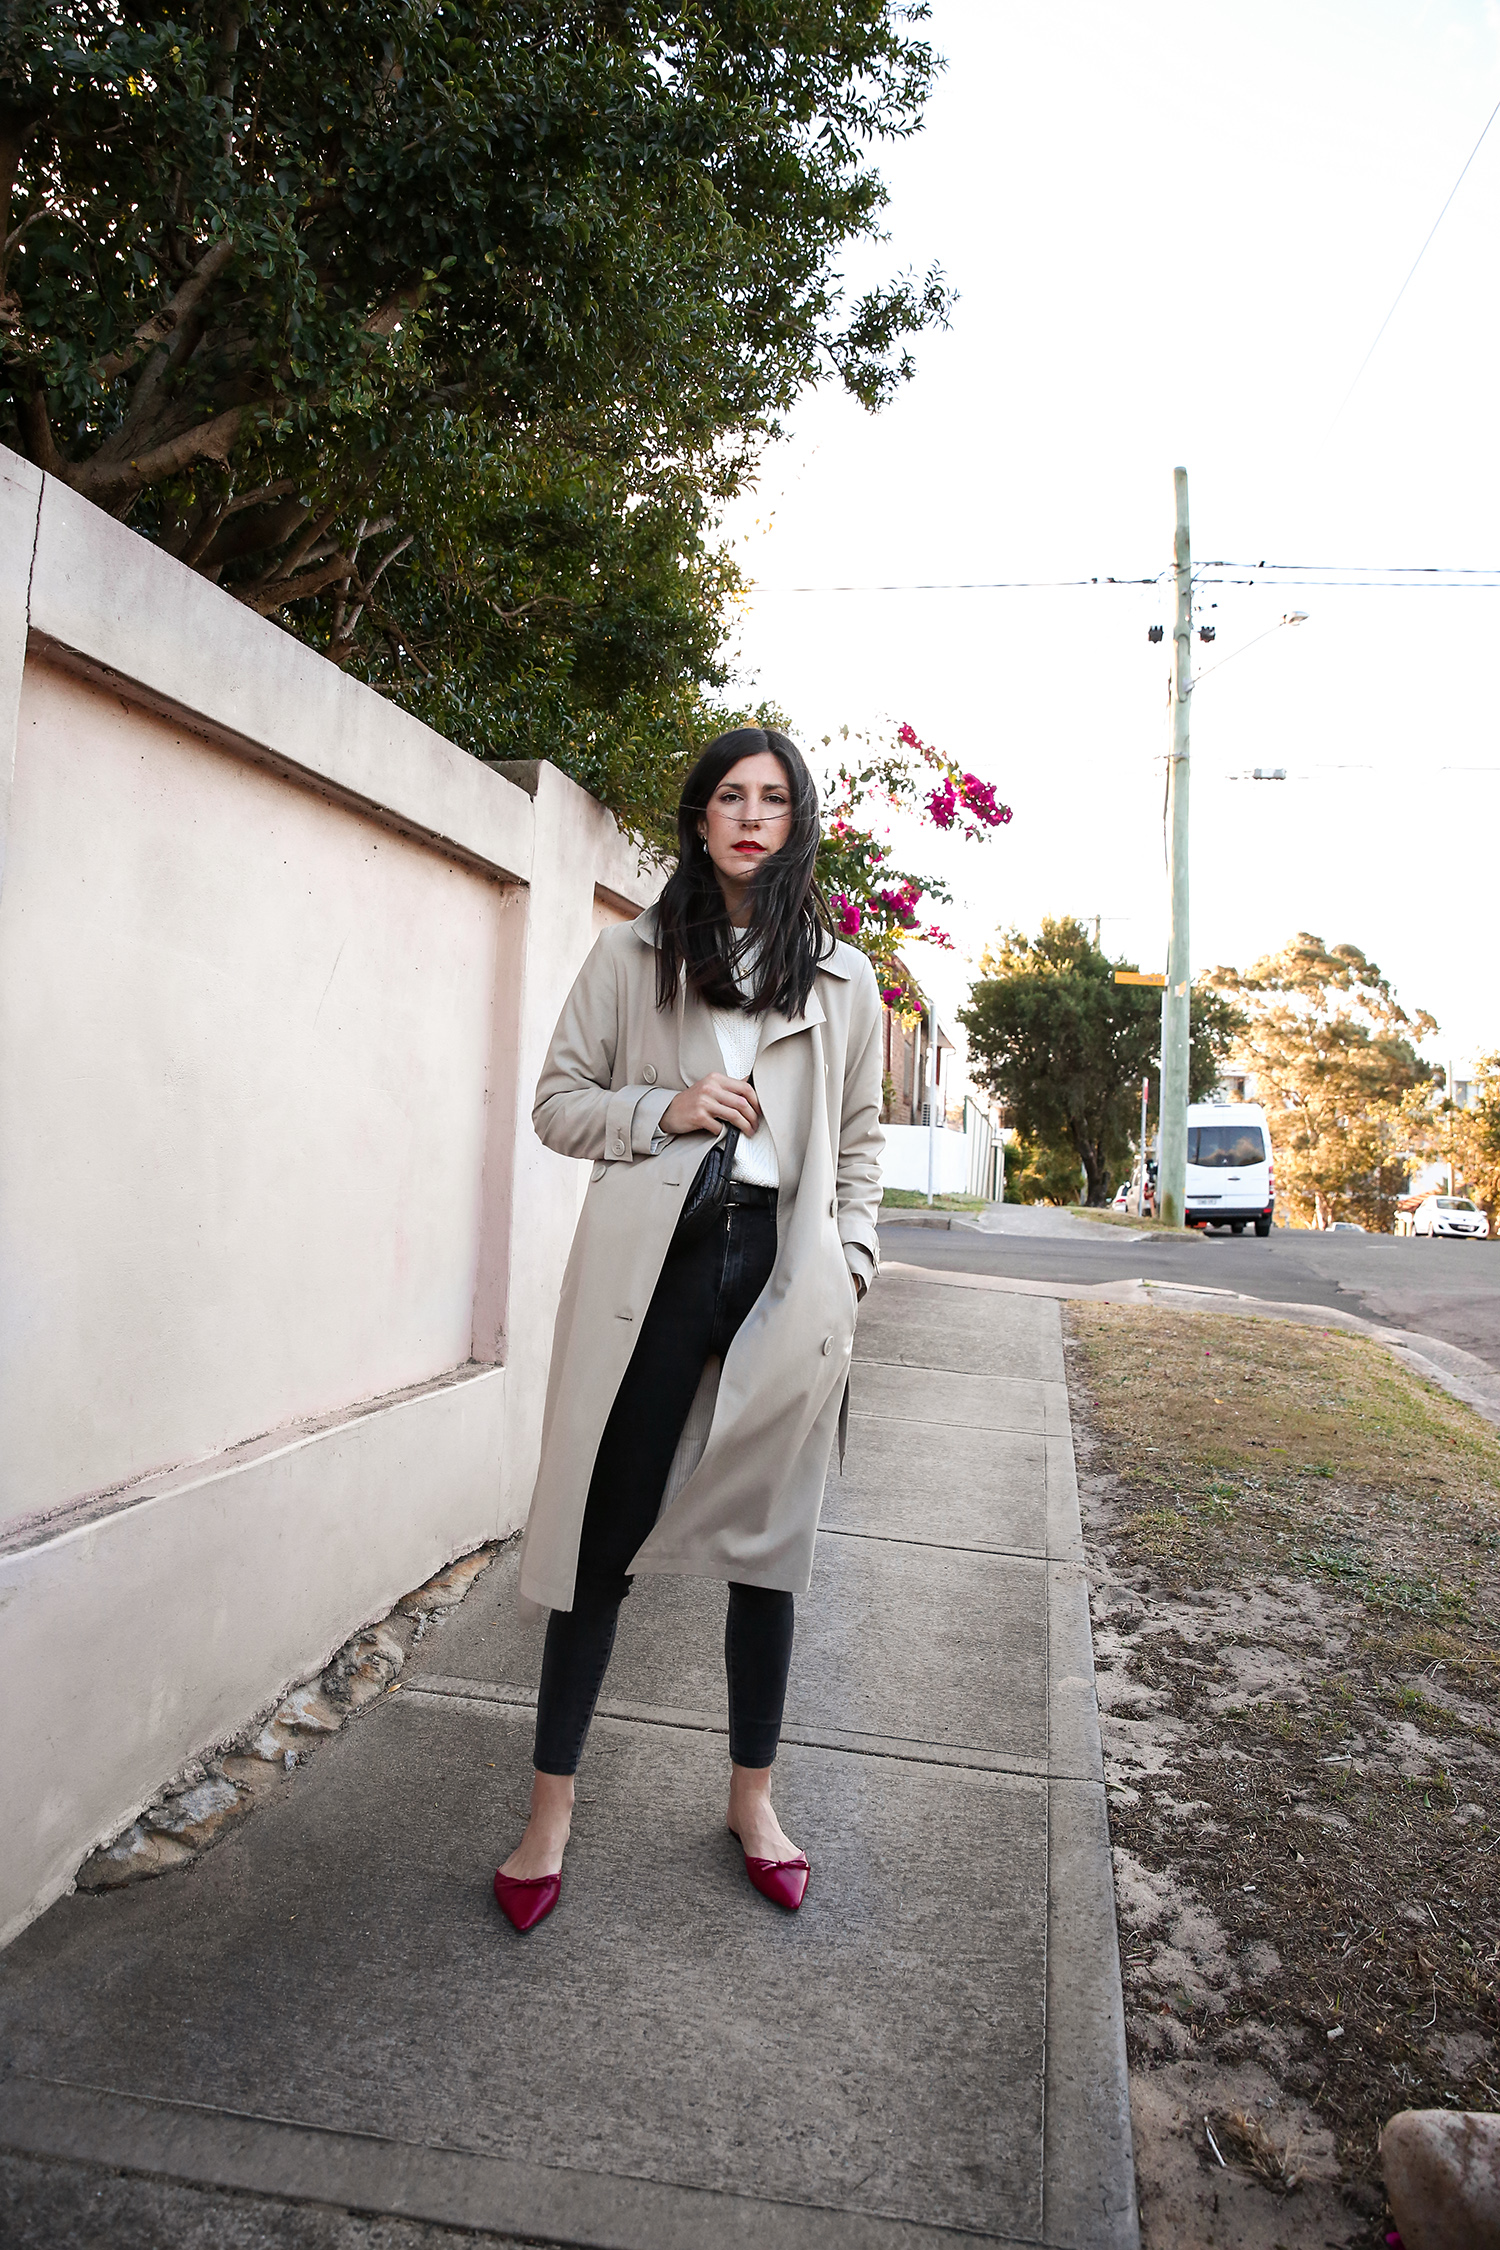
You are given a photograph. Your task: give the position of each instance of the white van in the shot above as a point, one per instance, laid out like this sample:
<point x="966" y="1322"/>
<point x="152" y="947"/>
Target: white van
<point x="1230" y="1177"/>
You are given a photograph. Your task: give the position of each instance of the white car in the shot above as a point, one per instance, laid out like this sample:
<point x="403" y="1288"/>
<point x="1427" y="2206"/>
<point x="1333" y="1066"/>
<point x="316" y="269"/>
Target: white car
<point x="1452" y="1215"/>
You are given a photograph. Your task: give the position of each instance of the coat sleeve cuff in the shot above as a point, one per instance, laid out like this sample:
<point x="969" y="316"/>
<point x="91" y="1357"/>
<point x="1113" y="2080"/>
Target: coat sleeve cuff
<point x="631" y="1121"/>
<point x="862" y="1264"/>
<point x="645" y="1132"/>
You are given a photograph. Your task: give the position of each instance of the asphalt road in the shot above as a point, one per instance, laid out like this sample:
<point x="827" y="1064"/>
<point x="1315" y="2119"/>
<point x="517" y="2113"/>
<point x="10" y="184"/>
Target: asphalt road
<point x="1445" y="1289"/>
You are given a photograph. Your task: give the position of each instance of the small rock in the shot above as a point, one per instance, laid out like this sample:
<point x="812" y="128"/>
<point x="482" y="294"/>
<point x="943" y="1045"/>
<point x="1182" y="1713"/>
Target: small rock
<point x="253" y="1776"/>
<point x="1442" y="2175"/>
<point x="271" y="1744"/>
<point x="307" y="1710"/>
<point x="195" y="1816"/>
<point x="132" y="1858"/>
<point x="365" y="1667"/>
<point x="449" y="1587"/>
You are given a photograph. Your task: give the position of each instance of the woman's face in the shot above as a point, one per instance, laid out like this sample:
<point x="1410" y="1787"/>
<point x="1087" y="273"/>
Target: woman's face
<point x="747" y="821"/>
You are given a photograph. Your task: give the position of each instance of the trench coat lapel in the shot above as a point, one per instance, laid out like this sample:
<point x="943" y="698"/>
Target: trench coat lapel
<point x="778" y="1027"/>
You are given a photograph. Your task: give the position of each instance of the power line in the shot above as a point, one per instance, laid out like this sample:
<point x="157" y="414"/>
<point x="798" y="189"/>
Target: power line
<point x="1454" y="585"/>
<point x="966" y="585"/>
<point x="1401" y="292"/>
<point x="1404" y="570"/>
<point x="1374" y="577"/>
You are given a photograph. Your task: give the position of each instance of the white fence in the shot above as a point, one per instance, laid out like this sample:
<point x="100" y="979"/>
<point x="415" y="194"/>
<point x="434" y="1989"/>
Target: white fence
<point x="279" y="1251"/>
<point x="905" y="1161"/>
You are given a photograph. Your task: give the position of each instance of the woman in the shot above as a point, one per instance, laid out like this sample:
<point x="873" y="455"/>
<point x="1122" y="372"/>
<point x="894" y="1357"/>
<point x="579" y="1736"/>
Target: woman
<point x="705" y="1372"/>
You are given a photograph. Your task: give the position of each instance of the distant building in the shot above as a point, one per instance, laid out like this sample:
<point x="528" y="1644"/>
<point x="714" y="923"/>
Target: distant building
<point x="921" y="1087"/>
<point x="1235" y="1086"/>
<point x="909" y="1080"/>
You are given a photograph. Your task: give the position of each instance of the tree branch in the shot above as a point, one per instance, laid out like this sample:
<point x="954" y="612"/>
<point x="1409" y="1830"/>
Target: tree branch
<point x="37" y="427"/>
<point x="209" y="441"/>
<point x="389" y="315"/>
<point x="343" y="626"/>
<point x="396" y="640"/>
<point x="200" y="540"/>
<point x="261" y="494"/>
<point x="265" y="597"/>
<point x="161" y="325"/>
<point x="367" y="585"/>
<point x="506" y="615"/>
<point x="224" y="84"/>
<point x="302" y="550"/>
<point x="16" y="122"/>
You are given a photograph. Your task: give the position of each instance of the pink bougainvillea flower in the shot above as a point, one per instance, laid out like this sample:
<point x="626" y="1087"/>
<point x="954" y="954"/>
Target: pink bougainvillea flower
<point x="845" y="914"/>
<point x="979" y="797"/>
<point x="900" y="905"/>
<point x="942" y="804"/>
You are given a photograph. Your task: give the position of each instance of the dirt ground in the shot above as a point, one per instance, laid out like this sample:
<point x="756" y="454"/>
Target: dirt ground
<point x="1294" y="1548"/>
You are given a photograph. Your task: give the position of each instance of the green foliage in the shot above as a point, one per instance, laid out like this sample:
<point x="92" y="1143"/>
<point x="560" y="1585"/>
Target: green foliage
<point x="1035" y="1173"/>
<point x="438" y="334"/>
<point x="1065" y="1048"/>
<point x="1471" y="1138"/>
<point x="1345" y="1090"/>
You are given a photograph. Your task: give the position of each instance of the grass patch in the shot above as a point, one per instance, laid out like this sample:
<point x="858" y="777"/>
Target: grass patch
<point x="1296" y="1546"/>
<point x="1138" y="1226"/>
<point x="1261" y="1404"/>
<point x="912" y="1199"/>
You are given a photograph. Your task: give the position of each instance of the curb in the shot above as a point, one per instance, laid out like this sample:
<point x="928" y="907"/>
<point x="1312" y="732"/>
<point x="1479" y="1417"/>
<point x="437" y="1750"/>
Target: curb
<point x="1464" y="1375"/>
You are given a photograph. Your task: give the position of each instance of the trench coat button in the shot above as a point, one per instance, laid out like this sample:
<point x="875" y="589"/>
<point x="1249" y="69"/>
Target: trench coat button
<point x="649" y="1074"/>
<point x="619" y="1147"/>
<point x="827" y="1345"/>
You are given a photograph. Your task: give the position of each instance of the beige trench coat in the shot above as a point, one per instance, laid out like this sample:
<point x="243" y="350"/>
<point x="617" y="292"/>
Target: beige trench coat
<point x="749" y="1508"/>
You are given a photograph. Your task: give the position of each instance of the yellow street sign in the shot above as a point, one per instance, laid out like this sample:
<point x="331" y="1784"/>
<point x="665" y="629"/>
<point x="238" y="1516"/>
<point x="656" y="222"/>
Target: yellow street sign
<point x="1136" y="976"/>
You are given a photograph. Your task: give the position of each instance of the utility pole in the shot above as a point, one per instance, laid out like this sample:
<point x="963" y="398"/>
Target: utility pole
<point x="1171" y="1181"/>
<point x="932" y="1066"/>
<point x="1140" y="1207"/>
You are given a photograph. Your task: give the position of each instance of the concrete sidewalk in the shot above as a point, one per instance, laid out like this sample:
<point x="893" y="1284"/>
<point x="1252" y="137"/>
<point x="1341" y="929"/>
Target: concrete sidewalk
<point x="329" y="2009"/>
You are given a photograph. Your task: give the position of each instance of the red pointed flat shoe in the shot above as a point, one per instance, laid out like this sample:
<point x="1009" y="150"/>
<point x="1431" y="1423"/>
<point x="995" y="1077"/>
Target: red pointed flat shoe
<point x="782" y="1881"/>
<point x="526" y="1900"/>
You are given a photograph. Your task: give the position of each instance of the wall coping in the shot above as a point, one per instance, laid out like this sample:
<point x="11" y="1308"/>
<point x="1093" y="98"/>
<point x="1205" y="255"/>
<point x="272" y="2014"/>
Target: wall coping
<point x="105" y="603"/>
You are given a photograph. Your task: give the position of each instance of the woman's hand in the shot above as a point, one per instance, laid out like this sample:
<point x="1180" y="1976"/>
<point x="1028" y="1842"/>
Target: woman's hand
<point x="714" y="1102"/>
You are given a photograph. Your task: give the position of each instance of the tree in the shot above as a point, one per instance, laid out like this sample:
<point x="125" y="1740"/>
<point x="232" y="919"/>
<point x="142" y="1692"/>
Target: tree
<point x="1035" y="1173"/>
<point x="1065" y="1048"/>
<point x="1470" y="1138"/>
<point x="438" y="333"/>
<point x="1345" y="1090"/>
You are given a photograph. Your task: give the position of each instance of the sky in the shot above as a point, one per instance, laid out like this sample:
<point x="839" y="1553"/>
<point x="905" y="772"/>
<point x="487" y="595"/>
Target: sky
<point x="1174" y="231"/>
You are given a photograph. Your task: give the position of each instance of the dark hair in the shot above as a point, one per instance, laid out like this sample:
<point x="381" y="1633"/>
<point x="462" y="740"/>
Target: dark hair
<point x="790" y="928"/>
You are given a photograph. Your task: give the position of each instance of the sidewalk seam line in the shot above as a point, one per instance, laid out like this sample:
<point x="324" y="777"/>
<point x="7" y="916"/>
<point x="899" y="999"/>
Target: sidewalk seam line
<point x="215" y="2110"/>
<point x="965" y="1758"/>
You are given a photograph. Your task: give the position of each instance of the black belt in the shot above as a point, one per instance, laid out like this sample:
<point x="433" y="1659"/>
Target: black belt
<point x="746" y="1191"/>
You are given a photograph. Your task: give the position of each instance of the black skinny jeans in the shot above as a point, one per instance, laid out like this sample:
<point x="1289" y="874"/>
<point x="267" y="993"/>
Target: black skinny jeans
<point x="701" y="1299"/>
